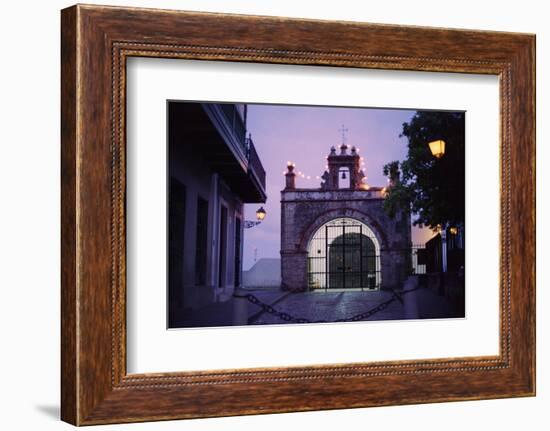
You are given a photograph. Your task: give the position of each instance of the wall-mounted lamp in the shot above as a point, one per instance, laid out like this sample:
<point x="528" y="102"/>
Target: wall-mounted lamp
<point x="260" y="215"/>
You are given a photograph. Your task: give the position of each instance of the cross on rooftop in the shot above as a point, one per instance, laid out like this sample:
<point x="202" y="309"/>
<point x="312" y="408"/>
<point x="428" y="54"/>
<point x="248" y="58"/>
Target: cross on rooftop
<point x="343" y="130"/>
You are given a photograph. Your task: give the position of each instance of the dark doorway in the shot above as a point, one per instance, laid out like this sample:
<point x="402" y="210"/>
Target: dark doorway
<point x="222" y="262"/>
<point x="176" y="242"/>
<point x="237" y="252"/>
<point x="201" y="242"/>
<point x="352" y="261"/>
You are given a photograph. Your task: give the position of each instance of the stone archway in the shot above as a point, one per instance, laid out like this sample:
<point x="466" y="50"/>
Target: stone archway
<point x="300" y="225"/>
<point x="344" y="253"/>
<point x="325" y="217"/>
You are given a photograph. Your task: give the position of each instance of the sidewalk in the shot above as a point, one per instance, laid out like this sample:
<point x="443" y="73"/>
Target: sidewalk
<point x="233" y="312"/>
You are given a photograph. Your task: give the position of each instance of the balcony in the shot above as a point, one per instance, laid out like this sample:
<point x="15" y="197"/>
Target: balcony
<point x="217" y="132"/>
<point x="231" y="128"/>
<point x="256" y="172"/>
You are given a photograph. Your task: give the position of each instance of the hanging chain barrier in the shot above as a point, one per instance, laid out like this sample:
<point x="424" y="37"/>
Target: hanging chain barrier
<point x="397" y="296"/>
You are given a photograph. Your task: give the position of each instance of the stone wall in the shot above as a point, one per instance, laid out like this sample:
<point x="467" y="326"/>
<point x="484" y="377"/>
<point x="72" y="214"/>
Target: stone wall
<point x="303" y="212"/>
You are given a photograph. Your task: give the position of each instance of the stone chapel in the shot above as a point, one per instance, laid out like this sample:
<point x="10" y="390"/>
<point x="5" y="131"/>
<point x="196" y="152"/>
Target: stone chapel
<point x="339" y="236"/>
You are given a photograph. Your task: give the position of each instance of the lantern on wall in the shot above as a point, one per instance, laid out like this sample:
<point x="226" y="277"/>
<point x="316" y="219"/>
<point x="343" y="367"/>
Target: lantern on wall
<point x="260" y="214"/>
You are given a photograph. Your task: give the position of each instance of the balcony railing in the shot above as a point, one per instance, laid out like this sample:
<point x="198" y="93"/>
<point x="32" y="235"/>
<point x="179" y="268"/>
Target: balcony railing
<point x="255" y="167"/>
<point x="235" y="122"/>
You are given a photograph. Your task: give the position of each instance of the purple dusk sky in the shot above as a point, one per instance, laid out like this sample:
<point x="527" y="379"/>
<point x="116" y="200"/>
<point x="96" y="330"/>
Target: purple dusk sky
<point x="304" y="135"/>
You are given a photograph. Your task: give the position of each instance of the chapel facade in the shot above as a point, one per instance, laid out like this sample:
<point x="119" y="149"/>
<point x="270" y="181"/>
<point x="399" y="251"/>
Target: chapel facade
<point x="338" y="236"/>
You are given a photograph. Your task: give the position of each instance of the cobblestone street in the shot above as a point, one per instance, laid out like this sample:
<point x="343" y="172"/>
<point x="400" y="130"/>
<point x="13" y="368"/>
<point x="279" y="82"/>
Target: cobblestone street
<point x="330" y="306"/>
<point x="322" y="305"/>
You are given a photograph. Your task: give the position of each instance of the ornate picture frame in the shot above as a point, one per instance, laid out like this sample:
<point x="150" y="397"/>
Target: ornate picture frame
<point x="96" y="41"/>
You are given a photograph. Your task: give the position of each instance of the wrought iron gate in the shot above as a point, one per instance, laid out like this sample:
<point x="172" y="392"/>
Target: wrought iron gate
<point x="343" y="255"/>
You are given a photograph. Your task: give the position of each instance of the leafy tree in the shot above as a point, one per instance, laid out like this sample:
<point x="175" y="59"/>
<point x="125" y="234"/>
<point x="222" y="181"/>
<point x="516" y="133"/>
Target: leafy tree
<point x="434" y="189"/>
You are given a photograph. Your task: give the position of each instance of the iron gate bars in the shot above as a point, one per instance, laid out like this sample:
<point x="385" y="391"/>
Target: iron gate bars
<point x="343" y="255"/>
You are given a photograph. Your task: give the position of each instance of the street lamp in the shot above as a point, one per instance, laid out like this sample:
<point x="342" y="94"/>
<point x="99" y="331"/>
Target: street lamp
<point x="437" y="148"/>
<point x="260" y="215"/>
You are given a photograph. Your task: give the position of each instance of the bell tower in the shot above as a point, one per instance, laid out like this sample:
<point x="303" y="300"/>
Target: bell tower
<point x="344" y="169"/>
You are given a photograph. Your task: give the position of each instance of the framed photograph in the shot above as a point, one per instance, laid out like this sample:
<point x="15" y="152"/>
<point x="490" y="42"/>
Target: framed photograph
<point x="268" y="215"/>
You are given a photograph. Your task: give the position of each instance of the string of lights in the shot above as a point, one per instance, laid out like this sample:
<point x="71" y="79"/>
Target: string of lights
<point x="301" y="174"/>
<point x="306" y="176"/>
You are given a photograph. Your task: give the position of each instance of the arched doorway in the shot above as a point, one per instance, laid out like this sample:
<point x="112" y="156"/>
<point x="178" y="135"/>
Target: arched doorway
<point x="344" y="253"/>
